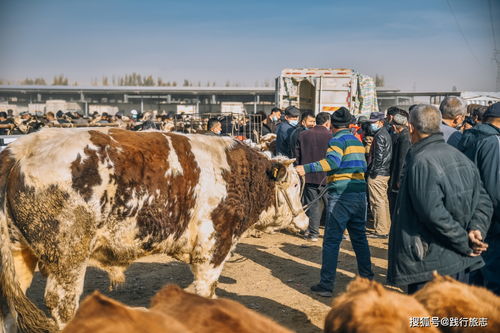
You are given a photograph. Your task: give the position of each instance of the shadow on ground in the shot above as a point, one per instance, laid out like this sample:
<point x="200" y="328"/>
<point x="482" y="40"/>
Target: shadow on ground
<point x="271" y="308"/>
<point x="144" y="280"/>
<point x="291" y="273"/>
<point x="346" y="261"/>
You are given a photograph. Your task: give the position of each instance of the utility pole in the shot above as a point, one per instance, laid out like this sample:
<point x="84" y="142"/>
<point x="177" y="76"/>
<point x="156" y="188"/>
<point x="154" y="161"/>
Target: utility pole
<point x="497" y="60"/>
<point x="496" y="52"/>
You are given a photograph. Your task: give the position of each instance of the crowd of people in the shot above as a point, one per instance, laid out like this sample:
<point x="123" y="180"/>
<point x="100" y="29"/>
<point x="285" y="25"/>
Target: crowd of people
<point x="27" y="122"/>
<point x="240" y="126"/>
<point x="429" y="178"/>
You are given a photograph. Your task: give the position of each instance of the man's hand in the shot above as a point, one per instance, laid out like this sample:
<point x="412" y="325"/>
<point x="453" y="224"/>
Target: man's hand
<point x="300" y="170"/>
<point x="476" y="243"/>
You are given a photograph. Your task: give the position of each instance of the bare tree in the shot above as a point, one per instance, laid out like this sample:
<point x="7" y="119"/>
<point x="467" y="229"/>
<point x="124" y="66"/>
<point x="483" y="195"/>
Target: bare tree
<point x="379" y="80"/>
<point x="148" y="81"/>
<point x="40" y="81"/>
<point x="60" y="80"/>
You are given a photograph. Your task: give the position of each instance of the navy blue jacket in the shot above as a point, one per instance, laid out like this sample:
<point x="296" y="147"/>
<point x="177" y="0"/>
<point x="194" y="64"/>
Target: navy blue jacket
<point x="284" y="132"/>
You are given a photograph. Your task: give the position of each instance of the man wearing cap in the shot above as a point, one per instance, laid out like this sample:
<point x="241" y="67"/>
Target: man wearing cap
<point x="379" y="171"/>
<point x="345" y="166"/>
<point x="285" y="130"/>
<point x="400" y="147"/>
<point x="485" y="153"/>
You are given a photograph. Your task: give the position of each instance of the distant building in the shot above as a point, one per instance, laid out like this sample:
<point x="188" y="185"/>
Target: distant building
<point x="481" y="98"/>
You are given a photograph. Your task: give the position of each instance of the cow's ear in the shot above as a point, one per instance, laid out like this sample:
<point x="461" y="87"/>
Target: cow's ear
<point x="289" y="161"/>
<point x="277" y="171"/>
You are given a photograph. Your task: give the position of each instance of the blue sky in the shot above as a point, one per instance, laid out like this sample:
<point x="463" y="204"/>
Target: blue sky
<point x="414" y="44"/>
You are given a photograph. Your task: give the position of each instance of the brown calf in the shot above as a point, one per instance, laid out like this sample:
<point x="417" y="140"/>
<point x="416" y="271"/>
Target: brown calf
<point x="368" y="307"/>
<point x="100" y="314"/>
<point x="172" y="310"/>
<point x="445" y="297"/>
<point x="211" y="315"/>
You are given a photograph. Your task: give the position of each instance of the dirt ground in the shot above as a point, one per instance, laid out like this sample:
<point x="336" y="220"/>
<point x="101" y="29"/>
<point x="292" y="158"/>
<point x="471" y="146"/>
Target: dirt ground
<point x="271" y="275"/>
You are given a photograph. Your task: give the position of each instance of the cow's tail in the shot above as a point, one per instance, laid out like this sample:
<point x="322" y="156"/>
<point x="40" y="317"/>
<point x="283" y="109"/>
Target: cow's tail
<point x="27" y="316"/>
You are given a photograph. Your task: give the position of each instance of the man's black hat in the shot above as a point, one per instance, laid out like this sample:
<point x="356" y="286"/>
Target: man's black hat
<point x="341" y="117"/>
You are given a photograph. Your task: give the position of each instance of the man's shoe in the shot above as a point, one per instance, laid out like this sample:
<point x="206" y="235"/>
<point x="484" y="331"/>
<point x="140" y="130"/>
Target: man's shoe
<point x="377" y="236"/>
<point x="311" y="238"/>
<point x="319" y="290"/>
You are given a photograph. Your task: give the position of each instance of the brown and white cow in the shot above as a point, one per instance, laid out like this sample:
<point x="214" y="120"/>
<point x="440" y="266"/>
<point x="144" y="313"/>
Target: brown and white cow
<point x="72" y="198"/>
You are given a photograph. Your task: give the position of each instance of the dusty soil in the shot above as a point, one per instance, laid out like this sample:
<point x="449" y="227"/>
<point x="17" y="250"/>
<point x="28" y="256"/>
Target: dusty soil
<point x="271" y="275"/>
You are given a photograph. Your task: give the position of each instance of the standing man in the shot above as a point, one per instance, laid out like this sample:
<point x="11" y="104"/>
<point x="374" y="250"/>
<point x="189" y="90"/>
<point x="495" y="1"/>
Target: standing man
<point x="5" y="124"/>
<point x="399" y="149"/>
<point x="453" y="110"/>
<point x="270" y="122"/>
<point x="485" y="153"/>
<point x="378" y="175"/>
<point x="311" y="147"/>
<point x="345" y="165"/>
<point x="214" y="127"/>
<point x="443" y="211"/>
<point x="307" y="121"/>
<point x="284" y="131"/>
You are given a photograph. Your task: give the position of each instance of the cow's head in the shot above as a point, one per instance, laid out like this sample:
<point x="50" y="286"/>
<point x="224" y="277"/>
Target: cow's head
<point x="286" y="209"/>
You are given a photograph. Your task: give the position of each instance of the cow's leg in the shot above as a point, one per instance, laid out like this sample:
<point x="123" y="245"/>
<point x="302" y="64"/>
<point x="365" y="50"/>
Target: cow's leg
<point x="63" y="292"/>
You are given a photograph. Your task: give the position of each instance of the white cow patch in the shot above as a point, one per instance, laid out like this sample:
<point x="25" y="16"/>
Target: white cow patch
<point x="175" y="167"/>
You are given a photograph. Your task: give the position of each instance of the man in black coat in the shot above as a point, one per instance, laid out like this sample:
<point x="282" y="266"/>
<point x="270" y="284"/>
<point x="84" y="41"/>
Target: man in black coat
<point x="270" y="123"/>
<point x="484" y="151"/>
<point x="285" y="130"/>
<point x="400" y="146"/>
<point x="311" y="147"/>
<point x="442" y="211"/>
<point x="379" y="165"/>
<point x="307" y="121"/>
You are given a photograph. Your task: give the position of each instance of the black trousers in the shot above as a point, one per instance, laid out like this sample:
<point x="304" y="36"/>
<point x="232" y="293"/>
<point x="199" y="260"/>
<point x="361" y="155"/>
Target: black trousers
<point x="315" y="213"/>
<point x="462" y="276"/>
<point x="393" y="195"/>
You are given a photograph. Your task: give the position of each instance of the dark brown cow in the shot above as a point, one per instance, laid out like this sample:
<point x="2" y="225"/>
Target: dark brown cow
<point x="73" y="198"/>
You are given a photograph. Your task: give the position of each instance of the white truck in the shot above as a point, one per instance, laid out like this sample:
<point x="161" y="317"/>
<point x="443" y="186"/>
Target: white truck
<point x="326" y="90"/>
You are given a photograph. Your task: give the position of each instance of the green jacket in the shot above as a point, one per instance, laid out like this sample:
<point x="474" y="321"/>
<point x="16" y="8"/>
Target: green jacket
<point x="440" y="200"/>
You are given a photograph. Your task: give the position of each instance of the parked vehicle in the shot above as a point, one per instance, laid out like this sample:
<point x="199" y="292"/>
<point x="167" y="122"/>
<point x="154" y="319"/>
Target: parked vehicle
<point x="326" y="90"/>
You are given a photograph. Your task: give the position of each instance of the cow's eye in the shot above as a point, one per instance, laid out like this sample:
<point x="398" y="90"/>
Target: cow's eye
<point x="296" y="185"/>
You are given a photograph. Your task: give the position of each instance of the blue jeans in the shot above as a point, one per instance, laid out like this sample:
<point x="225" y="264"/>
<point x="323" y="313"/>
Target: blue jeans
<point x="346" y="210"/>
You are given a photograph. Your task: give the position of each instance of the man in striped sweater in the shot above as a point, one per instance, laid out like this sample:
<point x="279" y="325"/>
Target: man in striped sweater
<point x="345" y="166"/>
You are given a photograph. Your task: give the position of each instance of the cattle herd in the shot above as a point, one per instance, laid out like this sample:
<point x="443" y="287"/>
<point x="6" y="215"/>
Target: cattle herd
<point x="73" y="198"/>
